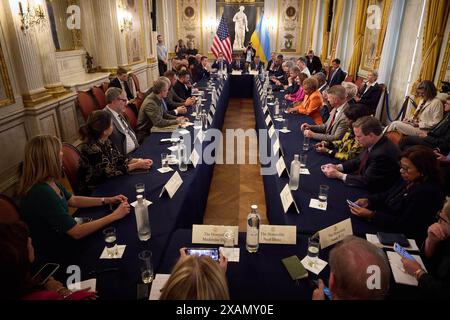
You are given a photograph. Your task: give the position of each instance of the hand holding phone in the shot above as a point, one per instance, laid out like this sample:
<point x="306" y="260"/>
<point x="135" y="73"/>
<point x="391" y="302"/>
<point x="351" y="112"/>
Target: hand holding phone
<point x="402" y="251"/>
<point x="42" y="276"/>
<point x="353" y="204"/>
<point x="326" y="291"/>
<point x="210" y="252"/>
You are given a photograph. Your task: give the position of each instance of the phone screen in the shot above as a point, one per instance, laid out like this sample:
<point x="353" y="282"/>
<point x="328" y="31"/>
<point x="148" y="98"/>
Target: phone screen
<point x="211" y="252"/>
<point x="402" y="251"/>
<point x="46" y="272"/>
<point x="352" y="204"/>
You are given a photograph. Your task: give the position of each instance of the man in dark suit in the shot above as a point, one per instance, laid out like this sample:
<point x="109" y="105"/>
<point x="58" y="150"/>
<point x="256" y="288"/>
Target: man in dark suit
<point x="313" y="63"/>
<point x="237" y="64"/>
<point x="370" y="92"/>
<point x="273" y="58"/>
<point x="183" y="87"/>
<point x="257" y="65"/>
<point x="201" y="70"/>
<point x="377" y="167"/>
<point x="221" y="63"/>
<point x="337" y="75"/>
<point x="123" y="136"/>
<point x="121" y="81"/>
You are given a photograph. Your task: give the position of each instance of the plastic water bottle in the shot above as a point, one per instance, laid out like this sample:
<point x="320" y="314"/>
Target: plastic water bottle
<point x="142" y="220"/>
<point x="204" y="118"/>
<point x="277" y="108"/>
<point x="295" y="173"/>
<point x="182" y="161"/>
<point x="253" y="221"/>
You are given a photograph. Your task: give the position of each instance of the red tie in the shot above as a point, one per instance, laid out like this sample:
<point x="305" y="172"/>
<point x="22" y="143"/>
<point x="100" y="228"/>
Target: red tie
<point x="363" y="161"/>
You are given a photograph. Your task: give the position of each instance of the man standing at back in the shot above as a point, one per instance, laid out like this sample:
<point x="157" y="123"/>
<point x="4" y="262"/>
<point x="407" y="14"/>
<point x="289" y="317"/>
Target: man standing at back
<point x="337" y="75"/>
<point x="162" y="55"/>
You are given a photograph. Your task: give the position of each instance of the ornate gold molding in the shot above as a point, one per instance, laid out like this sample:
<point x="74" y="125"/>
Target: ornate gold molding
<point x="32" y="100"/>
<point x="56" y="91"/>
<point x="5" y="82"/>
<point x="151" y="60"/>
<point x="444" y="66"/>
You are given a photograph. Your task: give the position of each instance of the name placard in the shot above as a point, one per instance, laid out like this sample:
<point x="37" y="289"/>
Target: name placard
<point x="210" y="119"/>
<point x="200" y="136"/>
<point x="172" y="185"/>
<point x="208" y="234"/>
<point x="213" y="109"/>
<point x="266" y="109"/>
<point x="271" y="131"/>
<point x="278" y="234"/>
<point x="194" y="158"/>
<point x="281" y="167"/>
<point x="287" y="200"/>
<point x="268" y="119"/>
<point x="276" y="147"/>
<point x="335" y="233"/>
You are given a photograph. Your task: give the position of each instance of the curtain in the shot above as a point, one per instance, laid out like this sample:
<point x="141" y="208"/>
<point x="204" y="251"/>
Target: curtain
<point x="360" y="26"/>
<point x="335" y="31"/>
<point x="313" y="12"/>
<point x="381" y="36"/>
<point x="326" y="34"/>
<point x="436" y="19"/>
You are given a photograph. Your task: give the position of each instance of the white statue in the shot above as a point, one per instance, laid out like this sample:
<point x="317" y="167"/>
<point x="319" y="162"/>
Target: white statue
<point x="240" y="28"/>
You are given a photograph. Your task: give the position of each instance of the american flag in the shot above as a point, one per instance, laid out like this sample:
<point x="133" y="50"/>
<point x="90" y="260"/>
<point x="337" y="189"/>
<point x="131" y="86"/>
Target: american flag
<point x="222" y="41"/>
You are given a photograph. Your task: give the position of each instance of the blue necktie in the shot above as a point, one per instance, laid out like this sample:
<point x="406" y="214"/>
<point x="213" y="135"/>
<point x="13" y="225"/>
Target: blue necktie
<point x="164" y="106"/>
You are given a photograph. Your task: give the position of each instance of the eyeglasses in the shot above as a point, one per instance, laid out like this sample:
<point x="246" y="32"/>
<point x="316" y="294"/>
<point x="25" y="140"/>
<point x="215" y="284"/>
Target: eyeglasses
<point x="438" y="217"/>
<point x="407" y="169"/>
<point x="124" y="100"/>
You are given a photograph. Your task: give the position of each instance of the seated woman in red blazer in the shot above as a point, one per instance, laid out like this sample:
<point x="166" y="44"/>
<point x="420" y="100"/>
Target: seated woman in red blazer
<point x="312" y="103"/>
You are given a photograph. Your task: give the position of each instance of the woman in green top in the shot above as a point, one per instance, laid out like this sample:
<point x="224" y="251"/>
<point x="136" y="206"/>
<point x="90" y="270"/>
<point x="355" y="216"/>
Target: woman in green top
<point x="45" y="203"/>
<point x="347" y="148"/>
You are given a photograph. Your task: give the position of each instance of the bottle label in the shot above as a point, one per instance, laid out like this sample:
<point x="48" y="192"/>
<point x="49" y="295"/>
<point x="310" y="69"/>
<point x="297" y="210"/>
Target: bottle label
<point x="252" y="236"/>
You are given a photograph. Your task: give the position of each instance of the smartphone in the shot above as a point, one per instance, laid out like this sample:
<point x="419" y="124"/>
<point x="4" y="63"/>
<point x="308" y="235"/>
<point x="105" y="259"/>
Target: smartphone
<point x="42" y="276"/>
<point x="326" y="290"/>
<point x="210" y="252"/>
<point x="352" y="204"/>
<point x="402" y="251"/>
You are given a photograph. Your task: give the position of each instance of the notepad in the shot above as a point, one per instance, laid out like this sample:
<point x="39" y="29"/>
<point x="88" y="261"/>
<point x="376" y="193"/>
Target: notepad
<point x="295" y="267"/>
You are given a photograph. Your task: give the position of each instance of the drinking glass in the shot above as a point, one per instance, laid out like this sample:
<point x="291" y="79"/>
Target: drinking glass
<point x="303" y="159"/>
<point x="146" y="267"/>
<point x="140" y="189"/>
<point x="164" y="160"/>
<point x="228" y="239"/>
<point x="313" y="250"/>
<point x="111" y="242"/>
<point x="305" y="143"/>
<point x="285" y="123"/>
<point x="323" y="193"/>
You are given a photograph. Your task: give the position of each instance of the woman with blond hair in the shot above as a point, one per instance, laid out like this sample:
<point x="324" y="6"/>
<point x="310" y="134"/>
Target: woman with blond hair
<point x="312" y="103"/>
<point x="45" y="203"/>
<point x="197" y="278"/>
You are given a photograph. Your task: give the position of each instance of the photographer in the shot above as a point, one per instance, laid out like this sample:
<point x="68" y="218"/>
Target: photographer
<point x="249" y="53"/>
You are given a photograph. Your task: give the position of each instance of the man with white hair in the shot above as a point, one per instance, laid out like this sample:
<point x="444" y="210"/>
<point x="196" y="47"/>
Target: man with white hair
<point x="370" y="93"/>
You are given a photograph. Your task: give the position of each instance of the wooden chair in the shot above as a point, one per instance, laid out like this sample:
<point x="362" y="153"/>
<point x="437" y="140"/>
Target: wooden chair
<point x="99" y="95"/>
<point x="105" y="86"/>
<point x="137" y="88"/>
<point x="394" y="136"/>
<point x="71" y="164"/>
<point x="131" y="117"/>
<point x="8" y="210"/>
<point x="86" y="104"/>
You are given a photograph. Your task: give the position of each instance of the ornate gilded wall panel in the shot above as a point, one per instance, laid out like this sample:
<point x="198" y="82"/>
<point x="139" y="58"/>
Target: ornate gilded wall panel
<point x="290" y="22"/>
<point x="189" y="22"/>
<point x="135" y="37"/>
<point x="6" y="91"/>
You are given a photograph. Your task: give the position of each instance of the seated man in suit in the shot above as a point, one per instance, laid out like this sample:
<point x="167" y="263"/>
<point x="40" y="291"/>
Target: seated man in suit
<point x="221" y="63"/>
<point x="313" y="63"/>
<point x="201" y="71"/>
<point x="123" y="136"/>
<point x="337" y="124"/>
<point x="121" y="81"/>
<point x="337" y="75"/>
<point x="153" y="111"/>
<point x="377" y="167"/>
<point x="183" y="86"/>
<point x="370" y="93"/>
<point x="257" y="65"/>
<point x="273" y="58"/>
<point x="173" y="100"/>
<point x="237" y="64"/>
<point x="276" y="69"/>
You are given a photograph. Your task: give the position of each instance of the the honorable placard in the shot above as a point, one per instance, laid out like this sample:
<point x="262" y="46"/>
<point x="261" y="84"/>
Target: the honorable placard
<point x="194" y="158"/>
<point x="210" y="119"/>
<point x="266" y="109"/>
<point x="208" y="234"/>
<point x="276" y="146"/>
<point x="268" y="120"/>
<point x="287" y="200"/>
<point x="278" y="234"/>
<point x="281" y="167"/>
<point x="213" y="110"/>
<point x="335" y="233"/>
<point x="200" y="137"/>
<point x="172" y="185"/>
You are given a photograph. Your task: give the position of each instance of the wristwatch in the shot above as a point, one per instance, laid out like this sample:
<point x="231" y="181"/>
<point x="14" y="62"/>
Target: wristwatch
<point x="418" y="273"/>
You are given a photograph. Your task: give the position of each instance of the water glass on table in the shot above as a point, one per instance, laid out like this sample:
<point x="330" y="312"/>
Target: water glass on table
<point x="140" y="189"/>
<point x="164" y="160"/>
<point x="305" y="143"/>
<point x="323" y="193"/>
<point x="111" y="242"/>
<point x="146" y="267"/>
<point x="228" y="239"/>
<point x="303" y="159"/>
<point x="313" y="250"/>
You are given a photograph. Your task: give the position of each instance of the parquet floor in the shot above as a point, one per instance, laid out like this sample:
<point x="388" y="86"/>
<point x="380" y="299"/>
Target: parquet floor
<point x="234" y="188"/>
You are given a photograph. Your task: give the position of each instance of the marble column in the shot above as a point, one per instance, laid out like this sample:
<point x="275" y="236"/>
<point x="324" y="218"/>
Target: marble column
<point x="88" y="31"/>
<point x="27" y="60"/>
<point x="119" y="36"/>
<point x="52" y="81"/>
<point x="107" y="53"/>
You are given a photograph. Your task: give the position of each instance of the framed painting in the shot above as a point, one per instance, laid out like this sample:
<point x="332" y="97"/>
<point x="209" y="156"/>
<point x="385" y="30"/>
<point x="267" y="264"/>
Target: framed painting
<point x="6" y="91"/>
<point x="135" y="37"/>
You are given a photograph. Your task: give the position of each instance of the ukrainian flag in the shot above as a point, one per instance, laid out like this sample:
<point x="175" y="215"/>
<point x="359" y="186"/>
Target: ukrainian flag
<point x="261" y="41"/>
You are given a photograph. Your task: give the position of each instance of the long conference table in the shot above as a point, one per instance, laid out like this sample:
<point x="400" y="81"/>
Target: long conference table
<point x="256" y="276"/>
